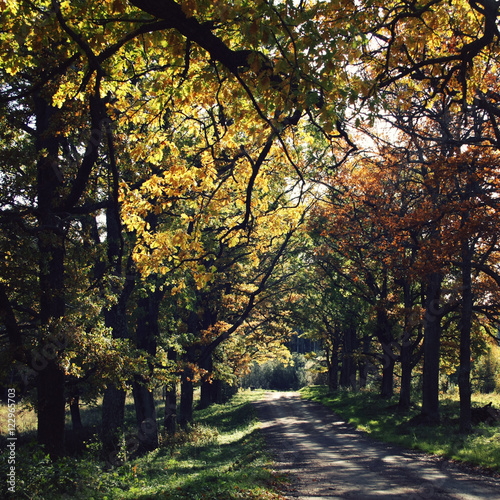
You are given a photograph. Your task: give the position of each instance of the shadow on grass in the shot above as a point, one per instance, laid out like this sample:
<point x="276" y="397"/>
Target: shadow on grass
<point x="378" y="418"/>
<point x="213" y="471"/>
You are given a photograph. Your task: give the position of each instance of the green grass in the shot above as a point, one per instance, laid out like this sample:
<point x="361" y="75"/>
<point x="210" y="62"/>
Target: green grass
<point x="378" y="418"/>
<point x="220" y="457"/>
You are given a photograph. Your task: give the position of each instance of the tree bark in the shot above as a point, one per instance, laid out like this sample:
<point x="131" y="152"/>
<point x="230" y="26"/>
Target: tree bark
<point x="186" y="402"/>
<point x="387" y="385"/>
<point x="113" y="417"/>
<point x="331" y="346"/>
<point x="113" y="404"/>
<point x="51" y="409"/>
<point x="332" y="358"/>
<point x="348" y="368"/>
<point x="406" y="350"/>
<point x="432" y="341"/>
<point x="147" y="332"/>
<point x="464" y="387"/>
<point x="76" y="417"/>
<point x="208" y="392"/>
<point x="170" y="417"/>
<point x="384" y="335"/>
<point x="51" y="242"/>
<point x="404" y="402"/>
<point x="145" y="412"/>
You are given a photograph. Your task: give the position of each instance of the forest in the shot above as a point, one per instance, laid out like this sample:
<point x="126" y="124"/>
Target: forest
<point x="188" y="186"/>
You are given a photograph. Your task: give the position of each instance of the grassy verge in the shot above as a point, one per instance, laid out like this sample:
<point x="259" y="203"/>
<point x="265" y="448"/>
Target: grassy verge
<point x="220" y="457"/>
<point x="377" y="417"/>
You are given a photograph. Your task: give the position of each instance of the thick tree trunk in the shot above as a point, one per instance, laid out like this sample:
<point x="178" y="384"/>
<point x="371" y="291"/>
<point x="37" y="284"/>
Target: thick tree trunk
<point x="432" y="340"/>
<point x="464" y="387"/>
<point x="170" y="418"/>
<point x="406" y="350"/>
<point x="333" y="371"/>
<point x="113" y="417"/>
<point x="51" y="240"/>
<point x="384" y="336"/>
<point x="145" y="412"/>
<point x="404" y="402"/>
<point x="76" y="417"/>
<point x="363" y="365"/>
<point x="186" y="402"/>
<point x="348" y="368"/>
<point x="147" y="332"/>
<point x="113" y="405"/>
<point x="218" y="391"/>
<point x="387" y="386"/>
<point x="51" y="409"/>
<point x="332" y="356"/>
<point x="208" y="392"/>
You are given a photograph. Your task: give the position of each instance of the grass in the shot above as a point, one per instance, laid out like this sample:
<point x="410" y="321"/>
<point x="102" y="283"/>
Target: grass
<point x="378" y="418"/>
<point x="220" y="457"/>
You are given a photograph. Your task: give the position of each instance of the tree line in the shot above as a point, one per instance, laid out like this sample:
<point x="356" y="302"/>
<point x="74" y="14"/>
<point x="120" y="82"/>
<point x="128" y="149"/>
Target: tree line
<point x="180" y="179"/>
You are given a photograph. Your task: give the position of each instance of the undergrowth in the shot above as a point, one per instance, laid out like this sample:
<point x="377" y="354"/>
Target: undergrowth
<point x="219" y="457"/>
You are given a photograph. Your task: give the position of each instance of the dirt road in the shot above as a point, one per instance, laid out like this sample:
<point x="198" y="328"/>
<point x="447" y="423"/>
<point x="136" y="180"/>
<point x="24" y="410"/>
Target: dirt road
<point x="328" y="459"/>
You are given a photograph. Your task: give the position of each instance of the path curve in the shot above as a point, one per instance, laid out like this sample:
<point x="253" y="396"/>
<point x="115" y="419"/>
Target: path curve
<point x="327" y="458"/>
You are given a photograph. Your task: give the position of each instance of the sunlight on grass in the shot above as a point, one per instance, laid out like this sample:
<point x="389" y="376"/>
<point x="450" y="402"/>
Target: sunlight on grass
<point x="220" y="457"/>
<point x="25" y="419"/>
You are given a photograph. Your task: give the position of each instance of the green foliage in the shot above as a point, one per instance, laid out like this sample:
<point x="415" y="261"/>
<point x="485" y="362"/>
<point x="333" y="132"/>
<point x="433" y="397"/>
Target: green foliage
<point x="486" y="371"/>
<point x="376" y="416"/>
<point x="219" y="456"/>
<point x="276" y="375"/>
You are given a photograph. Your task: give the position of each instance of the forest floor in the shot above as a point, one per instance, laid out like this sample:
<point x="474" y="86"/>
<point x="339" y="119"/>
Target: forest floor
<point x="326" y="458"/>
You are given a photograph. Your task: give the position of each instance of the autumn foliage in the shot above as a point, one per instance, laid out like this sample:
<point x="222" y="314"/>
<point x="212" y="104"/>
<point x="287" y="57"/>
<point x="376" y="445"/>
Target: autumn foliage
<point x="184" y="184"/>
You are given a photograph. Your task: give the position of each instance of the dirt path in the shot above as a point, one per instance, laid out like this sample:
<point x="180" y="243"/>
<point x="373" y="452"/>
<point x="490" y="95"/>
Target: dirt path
<point x="328" y="459"/>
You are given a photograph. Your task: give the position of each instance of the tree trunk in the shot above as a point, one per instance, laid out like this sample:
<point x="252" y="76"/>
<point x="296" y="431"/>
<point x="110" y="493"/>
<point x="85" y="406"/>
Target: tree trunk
<point x="387" y="386"/>
<point x="333" y="370"/>
<point x="76" y="417"/>
<point x="113" y="417"/>
<point x="208" y="392"/>
<point x="464" y="387"/>
<point x="404" y="402"/>
<point x="51" y="241"/>
<point x="170" y="418"/>
<point x="51" y="409"/>
<point x="332" y="356"/>
<point x="363" y="365"/>
<point x="348" y="369"/>
<point x="406" y="350"/>
<point x="384" y="335"/>
<point x="113" y="405"/>
<point x="186" y="403"/>
<point x="432" y="340"/>
<point x="145" y="413"/>
<point x="218" y="391"/>
<point x="147" y="332"/>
